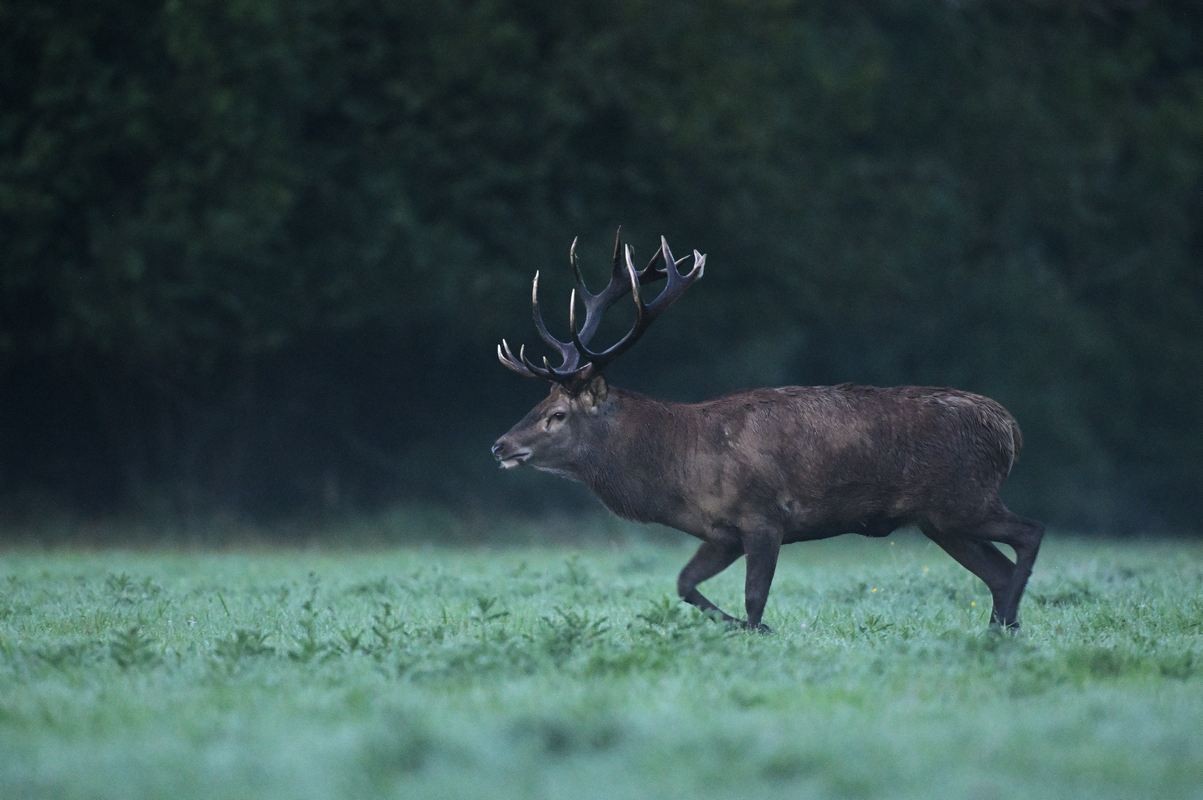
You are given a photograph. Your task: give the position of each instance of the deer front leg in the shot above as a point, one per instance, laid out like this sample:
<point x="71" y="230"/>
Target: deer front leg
<point x="762" y="548"/>
<point x="710" y="559"/>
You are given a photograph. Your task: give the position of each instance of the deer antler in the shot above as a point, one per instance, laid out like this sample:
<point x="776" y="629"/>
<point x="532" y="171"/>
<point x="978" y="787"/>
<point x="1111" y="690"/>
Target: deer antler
<point x="578" y="362"/>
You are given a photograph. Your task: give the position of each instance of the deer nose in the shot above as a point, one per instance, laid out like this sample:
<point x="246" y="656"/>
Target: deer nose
<point x="497" y="447"/>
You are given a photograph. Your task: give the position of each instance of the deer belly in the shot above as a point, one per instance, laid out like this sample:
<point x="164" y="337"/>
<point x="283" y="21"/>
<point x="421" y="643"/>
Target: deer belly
<point x="876" y="527"/>
<point x="862" y="513"/>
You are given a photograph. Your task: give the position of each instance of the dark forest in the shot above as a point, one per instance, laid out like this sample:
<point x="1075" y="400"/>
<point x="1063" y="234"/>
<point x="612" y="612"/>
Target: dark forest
<point x="255" y="257"/>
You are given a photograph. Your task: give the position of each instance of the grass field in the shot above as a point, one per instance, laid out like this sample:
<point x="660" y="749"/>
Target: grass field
<point x="530" y="672"/>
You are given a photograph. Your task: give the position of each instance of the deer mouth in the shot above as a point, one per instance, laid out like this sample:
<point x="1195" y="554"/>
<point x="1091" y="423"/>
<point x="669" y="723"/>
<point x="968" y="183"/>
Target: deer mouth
<point x="514" y="460"/>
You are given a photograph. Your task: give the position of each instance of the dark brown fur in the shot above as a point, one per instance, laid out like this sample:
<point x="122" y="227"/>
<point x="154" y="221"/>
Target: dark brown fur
<point x="750" y="471"/>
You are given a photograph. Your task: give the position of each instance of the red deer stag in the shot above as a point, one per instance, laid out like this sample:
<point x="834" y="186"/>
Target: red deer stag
<point x="750" y="471"/>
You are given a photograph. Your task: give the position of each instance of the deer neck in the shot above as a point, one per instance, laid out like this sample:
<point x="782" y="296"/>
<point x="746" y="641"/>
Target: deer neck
<point x="635" y="461"/>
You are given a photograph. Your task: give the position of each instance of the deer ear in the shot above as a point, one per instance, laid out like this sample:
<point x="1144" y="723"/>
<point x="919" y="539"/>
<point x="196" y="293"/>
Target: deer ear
<point x="595" y="392"/>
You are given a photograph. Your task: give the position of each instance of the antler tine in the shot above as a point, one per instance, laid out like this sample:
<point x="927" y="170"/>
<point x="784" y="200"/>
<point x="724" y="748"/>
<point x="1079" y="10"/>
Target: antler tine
<point x="506" y="357"/>
<point x="671" y="273"/>
<point x="618" y="271"/>
<point x="633" y="276"/>
<point x="677" y="280"/>
<point x="526" y="362"/>
<point x="616" y="259"/>
<point x="572" y="317"/>
<point x="537" y="314"/>
<point x="576" y="270"/>
<point x="501" y="357"/>
<point x="570" y="358"/>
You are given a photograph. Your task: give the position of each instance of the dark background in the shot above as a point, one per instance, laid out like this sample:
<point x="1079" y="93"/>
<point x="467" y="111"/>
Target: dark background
<point x="257" y="254"/>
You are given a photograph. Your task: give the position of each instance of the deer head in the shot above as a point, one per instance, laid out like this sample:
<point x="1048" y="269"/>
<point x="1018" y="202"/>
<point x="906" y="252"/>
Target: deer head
<point x="560" y="431"/>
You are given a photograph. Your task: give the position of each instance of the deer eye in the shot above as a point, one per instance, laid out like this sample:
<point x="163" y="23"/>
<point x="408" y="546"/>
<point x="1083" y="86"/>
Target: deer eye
<point x="558" y="416"/>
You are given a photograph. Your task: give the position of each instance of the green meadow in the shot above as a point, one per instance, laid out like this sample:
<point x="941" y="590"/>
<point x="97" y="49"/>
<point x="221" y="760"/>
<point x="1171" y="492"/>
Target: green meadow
<point x="531" y="671"/>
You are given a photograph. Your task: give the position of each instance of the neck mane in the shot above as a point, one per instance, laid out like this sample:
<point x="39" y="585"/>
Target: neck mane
<point x="636" y="460"/>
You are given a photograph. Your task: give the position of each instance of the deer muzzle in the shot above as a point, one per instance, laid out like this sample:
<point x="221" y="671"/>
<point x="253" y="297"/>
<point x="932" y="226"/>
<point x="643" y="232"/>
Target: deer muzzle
<point x="507" y="456"/>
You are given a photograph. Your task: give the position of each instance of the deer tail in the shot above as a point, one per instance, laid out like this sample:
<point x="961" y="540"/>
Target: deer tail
<point x="1016" y="442"/>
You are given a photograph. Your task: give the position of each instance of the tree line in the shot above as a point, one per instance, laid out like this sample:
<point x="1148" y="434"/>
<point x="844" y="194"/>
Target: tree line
<point x="256" y="255"/>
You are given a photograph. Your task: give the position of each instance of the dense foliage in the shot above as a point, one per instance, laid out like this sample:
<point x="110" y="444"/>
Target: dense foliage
<point x="256" y="254"/>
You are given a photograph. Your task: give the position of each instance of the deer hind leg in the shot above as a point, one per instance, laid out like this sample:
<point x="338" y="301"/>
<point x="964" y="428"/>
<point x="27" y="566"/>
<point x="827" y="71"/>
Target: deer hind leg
<point x="984" y="560"/>
<point x="710" y="559"/>
<point x="1024" y="536"/>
